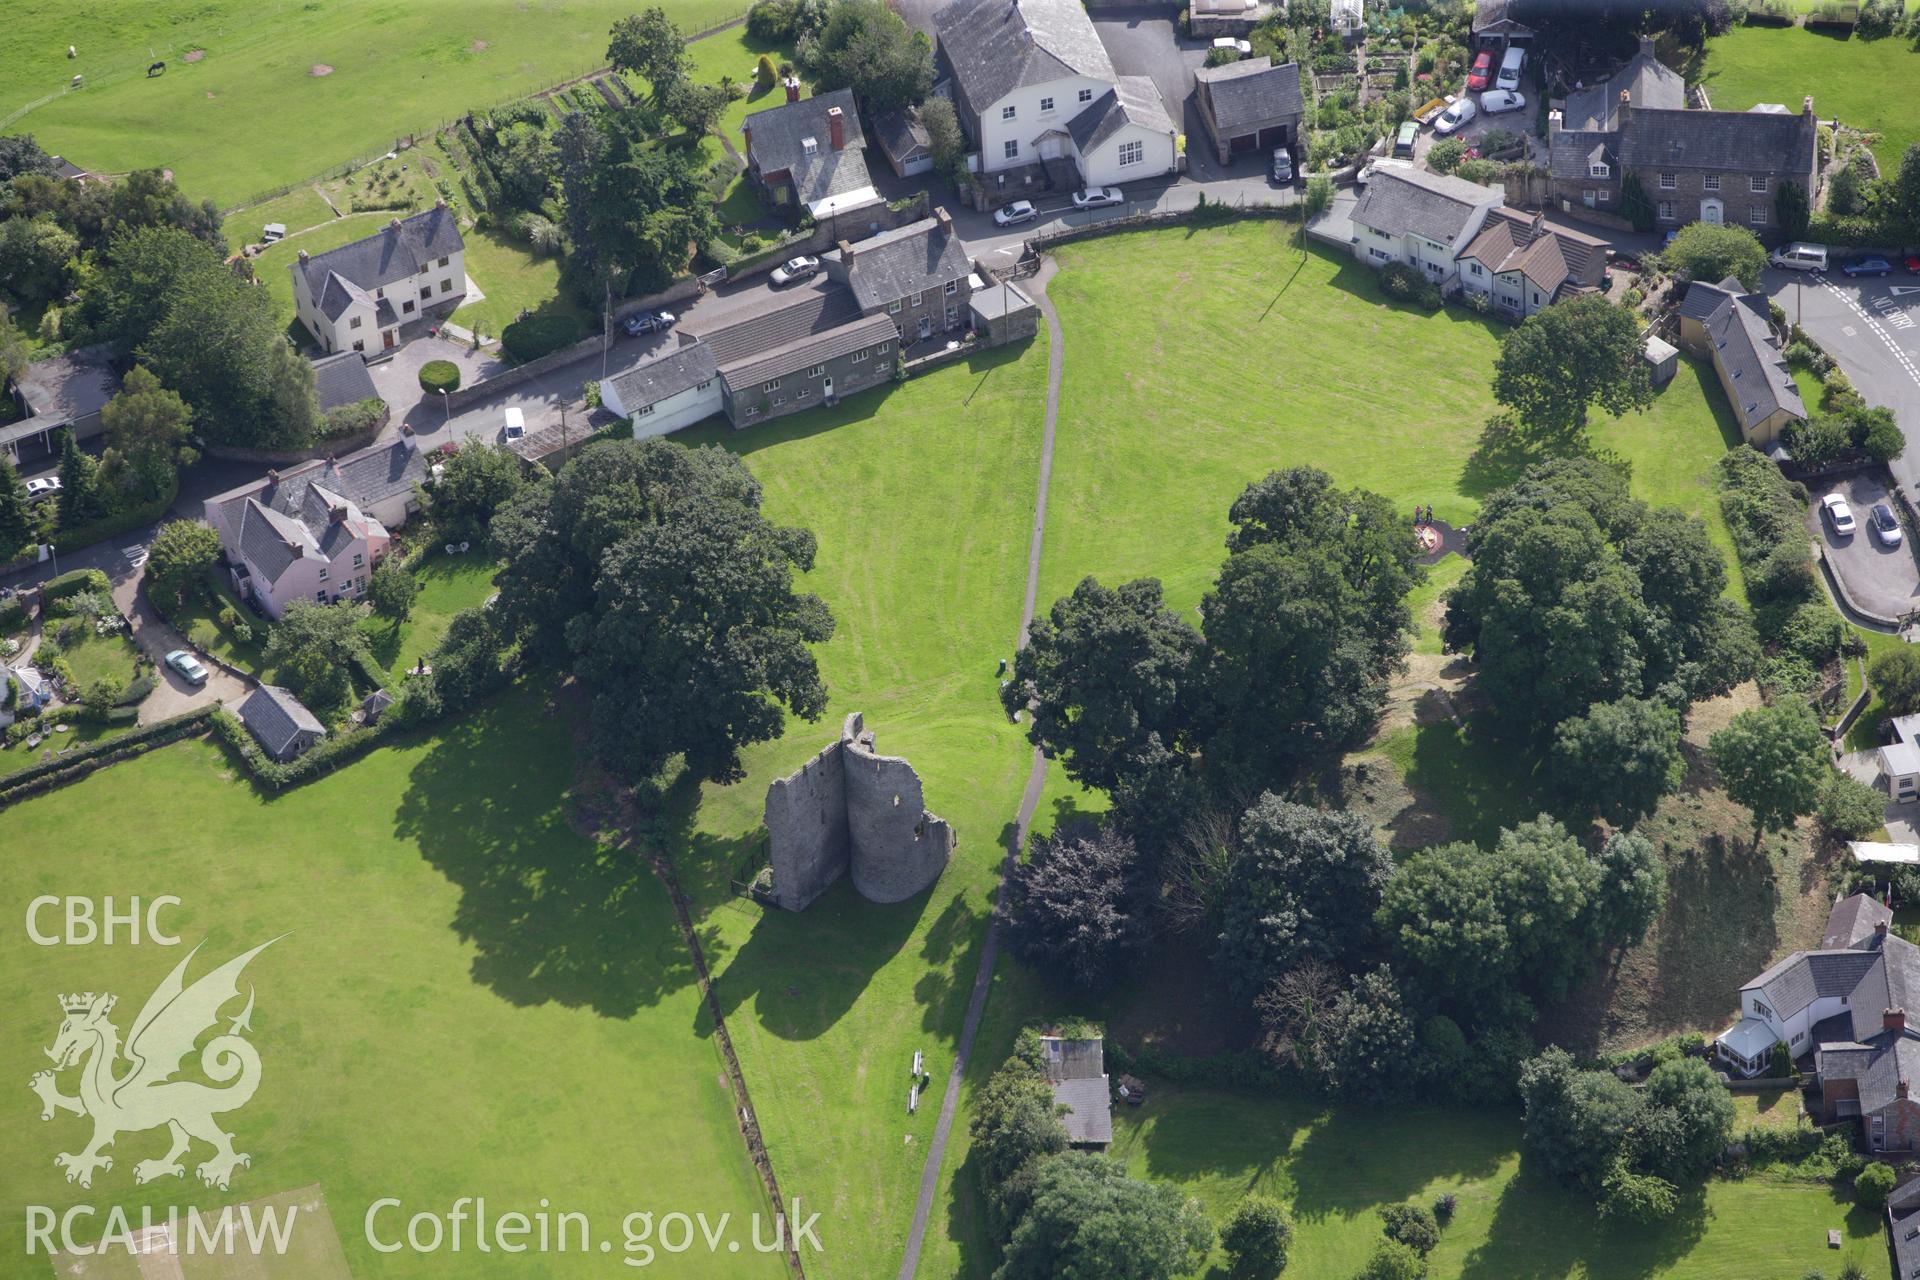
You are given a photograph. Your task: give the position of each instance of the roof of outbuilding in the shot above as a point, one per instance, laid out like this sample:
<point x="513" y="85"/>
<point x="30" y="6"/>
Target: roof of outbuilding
<point x="276" y="717"/>
<point x="1088" y="1118"/>
<point x="1744" y="344"/>
<point x="68" y="387"/>
<point x="1081" y="1058"/>
<point x="901" y="135"/>
<point x="1401" y="199"/>
<point x="910" y="259"/>
<point x="997" y="46"/>
<point x="663" y="375"/>
<point x="396" y="251"/>
<point x="1133" y="100"/>
<point x="342" y="378"/>
<point x="777" y="140"/>
<point x="802" y="353"/>
<point x="1251" y="93"/>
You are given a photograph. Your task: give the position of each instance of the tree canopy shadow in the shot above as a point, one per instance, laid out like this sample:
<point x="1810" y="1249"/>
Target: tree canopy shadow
<point x="1355" y="1158"/>
<point x="553" y="917"/>
<point x="1544" y="1232"/>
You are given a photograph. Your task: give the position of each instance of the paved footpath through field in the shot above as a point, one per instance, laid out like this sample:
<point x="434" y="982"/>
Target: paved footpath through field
<point x="1029" y="800"/>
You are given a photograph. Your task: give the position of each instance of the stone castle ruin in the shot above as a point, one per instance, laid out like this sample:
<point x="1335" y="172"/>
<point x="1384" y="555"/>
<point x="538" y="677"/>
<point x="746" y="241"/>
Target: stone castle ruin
<point x="852" y="811"/>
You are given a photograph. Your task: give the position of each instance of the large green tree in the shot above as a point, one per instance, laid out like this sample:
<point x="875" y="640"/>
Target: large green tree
<point x="1713" y="251"/>
<point x="36" y="258"/>
<point x="1304" y="883"/>
<point x="945" y="142"/>
<point x="1015" y="1127"/>
<point x="1632" y="889"/>
<point x="650" y="567"/>
<point x="19" y="154"/>
<point x="1688" y="1120"/>
<point x="1256" y="1238"/>
<point x="474" y="482"/>
<point x="179" y="556"/>
<point x="16" y="517"/>
<point x="1772" y="759"/>
<point x="1088" y="1218"/>
<point x="867" y="47"/>
<point x="1577" y="1121"/>
<point x="651" y="47"/>
<point x="1564" y="360"/>
<point x="314" y="646"/>
<point x="82" y="497"/>
<point x="1618" y="759"/>
<point x="147" y="428"/>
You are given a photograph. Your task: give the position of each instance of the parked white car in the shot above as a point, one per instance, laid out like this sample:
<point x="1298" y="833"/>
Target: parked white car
<point x="43" y="488"/>
<point x="1800" y="256"/>
<point x="1839" y="514"/>
<point x="1496" y="101"/>
<point x="1454" y="117"/>
<point x="1241" y="47"/>
<point x="795" y="269"/>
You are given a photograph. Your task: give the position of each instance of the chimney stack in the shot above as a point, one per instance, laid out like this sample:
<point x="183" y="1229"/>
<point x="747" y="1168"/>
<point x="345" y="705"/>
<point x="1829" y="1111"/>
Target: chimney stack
<point x="836" y="128"/>
<point x="395" y="224"/>
<point x="303" y="255"/>
<point x="1646" y="46"/>
<point x="440" y="202"/>
<point x="336" y="515"/>
<point x="273" y="476"/>
<point x="1893" y="1020"/>
<point x="1806" y="105"/>
<point x="945" y="220"/>
<point x="846" y="252"/>
<point x="1903" y="1086"/>
<point x="1880" y="931"/>
<point x="792" y="85"/>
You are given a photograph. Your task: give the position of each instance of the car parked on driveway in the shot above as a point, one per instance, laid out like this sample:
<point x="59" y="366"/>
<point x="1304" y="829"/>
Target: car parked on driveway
<point x="1496" y="101"/>
<point x="188" y="666"/>
<point x="1838" y="514"/>
<point x="43" y="488"/>
<point x="1869" y="265"/>
<point x="1097" y="197"/>
<point x="795" y="269"/>
<point x="1481" y="74"/>
<point x="648" y="322"/>
<point x="1886" y="525"/>
<point x="1283" y="166"/>
<point x="1455" y="117"/>
<point x="1014" y="214"/>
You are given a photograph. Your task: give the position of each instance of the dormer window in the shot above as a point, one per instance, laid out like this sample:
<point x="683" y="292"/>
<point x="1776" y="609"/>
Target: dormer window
<point x="1599" y="170"/>
<point x="810" y="146"/>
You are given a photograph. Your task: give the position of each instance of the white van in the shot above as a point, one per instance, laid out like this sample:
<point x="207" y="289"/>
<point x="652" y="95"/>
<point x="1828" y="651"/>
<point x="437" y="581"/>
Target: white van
<point x="516" y="423"/>
<point x="1800" y="257"/>
<point x="1510" y="67"/>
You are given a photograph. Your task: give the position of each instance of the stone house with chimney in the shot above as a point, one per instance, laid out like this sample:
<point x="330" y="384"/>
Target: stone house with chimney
<point x="1732" y="328"/>
<point x="810" y="153"/>
<point x="1844" y="1005"/>
<point x="919" y="276"/>
<point x="1694" y="166"/>
<point x="358" y="296"/>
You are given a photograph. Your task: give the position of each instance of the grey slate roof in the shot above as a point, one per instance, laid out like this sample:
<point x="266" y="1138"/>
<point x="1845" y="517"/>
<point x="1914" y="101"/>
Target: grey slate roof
<point x="342" y="378"/>
<point x="1549" y="257"/>
<point x="1742" y="141"/>
<point x="777" y="318"/>
<point x="1088" y="1118"/>
<point x="1079" y="1059"/>
<point x="1904" y="1223"/>
<point x="1744" y="346"/>
<point x="665" y="375"/>
<point x="1878" y="1067"/>
<point x="997" y="46"/>
<point x="907" y="260"/>
<point x="902" y="136"/>
<point x="1852" y="922"/>
<point x="1651" y="84"/>
<point x="68" y="387"/>
<point x="1251" y="93"/>
<point x="1132" y="100"/>
<point x="276" y="718"/>
<point x="802" y="353"/>
<point x="777" y="137"/>
<point x="1806" y="976"/>
<point x="395" y="252"/>
<point x="276" y="517"/>
<point x="1894" y="984"/>
<point x="1401" y="199"/>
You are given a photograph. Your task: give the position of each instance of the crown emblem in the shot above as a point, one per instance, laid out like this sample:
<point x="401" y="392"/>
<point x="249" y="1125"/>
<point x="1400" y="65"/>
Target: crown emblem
<point x="80" y="1002"/>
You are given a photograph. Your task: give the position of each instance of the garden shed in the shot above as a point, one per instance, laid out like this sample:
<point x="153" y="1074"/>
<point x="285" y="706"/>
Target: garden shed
<point x="1662" y="357"/>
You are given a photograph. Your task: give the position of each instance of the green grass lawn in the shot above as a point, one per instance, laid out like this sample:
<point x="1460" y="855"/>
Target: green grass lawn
<point x="1337" y="1166"/>
<point x="1275" y="360"/>
<point x="251" y="115"/>
<point x="1868" y="84"/>
<point x="297" y="210"/>
<point x="79" y="733"/>
<point x="96" y="657"/>
<point x="199" y="620"/>
<point x="921" y="496"/>
<point x="448" y="584"/>
<point x="465" y="997"/>
<point x="514" y="278"/>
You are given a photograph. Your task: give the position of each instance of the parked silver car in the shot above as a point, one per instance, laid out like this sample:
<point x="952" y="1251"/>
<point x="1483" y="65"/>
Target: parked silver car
<point x="794" y="269"/>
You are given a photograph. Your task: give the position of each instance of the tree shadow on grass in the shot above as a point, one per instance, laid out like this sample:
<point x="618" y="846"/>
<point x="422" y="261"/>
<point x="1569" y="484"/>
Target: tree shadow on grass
<point x="552" y="917"/>
<point x="1542" y="1231"/>
<point x="1479" y="784"/>
<point x="1506" y="449"/>
<point x="1357" y="1158"/>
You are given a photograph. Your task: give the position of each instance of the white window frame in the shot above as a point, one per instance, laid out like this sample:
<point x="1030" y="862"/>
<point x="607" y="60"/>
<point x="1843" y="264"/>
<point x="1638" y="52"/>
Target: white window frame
<point x="862" y="354"/>
<point x="1132" y="152"/>
<point x="1669" y="181"/>
<point x="919" y="298"/>
<point x="1086" y="95"/>
<point x="1757" y="215"/>
<point x="1011" y="150"/>
<point x="893" y="308"/>
<point x="1710" y="181"/>
<point x="953" y="287"/>
<point x="1599" y="171"/>
<point x="770" y="386"/>
<point x="1008" y="113"/>
<point x="643" y="411"/>
<point x="1666" y="211"/>
<point x="1046" y="105"/>
<point x="882" y="348"/>
<point x="818" y="371"/>
<point x="1757" y="185"/>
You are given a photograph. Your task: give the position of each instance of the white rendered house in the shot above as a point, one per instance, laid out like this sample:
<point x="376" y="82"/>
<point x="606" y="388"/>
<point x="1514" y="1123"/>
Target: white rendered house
<point x="359" y="296"/>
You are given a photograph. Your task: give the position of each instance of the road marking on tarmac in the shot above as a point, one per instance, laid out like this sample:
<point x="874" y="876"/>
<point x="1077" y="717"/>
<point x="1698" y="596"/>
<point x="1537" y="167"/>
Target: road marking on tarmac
<point x="136" y="554"/>
<point x="1899" y="320"/>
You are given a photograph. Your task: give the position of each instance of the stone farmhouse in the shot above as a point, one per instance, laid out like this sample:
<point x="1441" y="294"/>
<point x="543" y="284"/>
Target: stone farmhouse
<point x="1845" y="1005"/>
<point x="1040" y="101"/>
<point x="1694" y="166"/>
<point x="1724" y="323"/>
<point x="360" y="296"/>
<point x="1520" y="264"/>
<point x="316" y="532"/>
<point x="842" y="332"/>
<point x="1249" y="106"/>
<point x="811" y="152"/>
<point x="1425" y="220"/>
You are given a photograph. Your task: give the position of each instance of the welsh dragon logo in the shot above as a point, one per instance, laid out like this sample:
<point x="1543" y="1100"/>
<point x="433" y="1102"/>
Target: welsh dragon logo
<point x="145" y="1095"/>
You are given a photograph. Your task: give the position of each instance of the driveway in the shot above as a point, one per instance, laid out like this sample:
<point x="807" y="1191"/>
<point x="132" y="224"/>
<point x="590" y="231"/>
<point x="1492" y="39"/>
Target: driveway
<point x="1871" y="326"/>
<point x="157" y="638"/>
<point x="1879" y="579"/>
<point x="398" y="380"/>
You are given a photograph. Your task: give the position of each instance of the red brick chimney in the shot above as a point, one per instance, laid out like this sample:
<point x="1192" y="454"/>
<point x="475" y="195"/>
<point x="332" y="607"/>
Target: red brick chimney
<point x="1893" y="1020"/>
<point x="1902" y="1087"/>
<point x="836" y="129"/>
<point x="1880" y="931"/>
<point x="792" y="85"/>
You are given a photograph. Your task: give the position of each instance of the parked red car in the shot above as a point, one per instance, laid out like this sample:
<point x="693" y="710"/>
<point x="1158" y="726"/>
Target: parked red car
<point x="1482" y="74"/>
<point x="1912" y="263"/>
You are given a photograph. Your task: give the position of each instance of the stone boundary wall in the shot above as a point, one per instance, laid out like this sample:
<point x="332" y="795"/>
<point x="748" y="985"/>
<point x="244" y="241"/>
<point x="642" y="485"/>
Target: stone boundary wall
<point x="332" y="447"/>
<point x="513" y="377"/>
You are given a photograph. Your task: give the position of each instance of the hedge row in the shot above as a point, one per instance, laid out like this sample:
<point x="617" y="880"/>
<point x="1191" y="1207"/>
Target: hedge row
<point x="85" y="535"/>
<point x="72" y="583"/>
<point x="83" y="760"/>
<point x="323" y="757"/>
<point x="537" y="336"/>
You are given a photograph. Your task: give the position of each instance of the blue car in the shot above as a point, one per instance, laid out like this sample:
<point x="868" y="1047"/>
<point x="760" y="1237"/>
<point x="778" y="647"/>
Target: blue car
<point x="1867" y="267"/>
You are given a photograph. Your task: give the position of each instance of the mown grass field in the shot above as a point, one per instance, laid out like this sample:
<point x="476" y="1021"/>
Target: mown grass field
<point x="921" y="496"/>
<point x="1868" y="84"/>
<point x="250" y="115"/>
<point x="468" y="999"/>
<point x="1338" y="1166"/>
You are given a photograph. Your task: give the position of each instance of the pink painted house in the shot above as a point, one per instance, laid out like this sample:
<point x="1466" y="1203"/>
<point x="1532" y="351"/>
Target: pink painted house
<point x="316" y="532"/>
